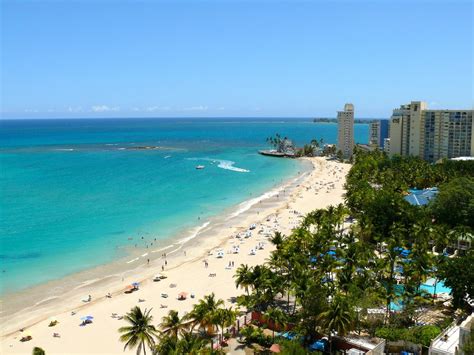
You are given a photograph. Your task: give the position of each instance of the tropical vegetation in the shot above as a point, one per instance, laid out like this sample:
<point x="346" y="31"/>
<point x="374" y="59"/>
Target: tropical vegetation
<point x="358" y="267"/>
<point x="189" y="334"/>
<point x="361" y="266"/>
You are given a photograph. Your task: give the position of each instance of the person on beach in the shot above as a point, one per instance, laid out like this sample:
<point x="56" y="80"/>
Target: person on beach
<point x="162" y="268"/>
<point x="148" y="261"/>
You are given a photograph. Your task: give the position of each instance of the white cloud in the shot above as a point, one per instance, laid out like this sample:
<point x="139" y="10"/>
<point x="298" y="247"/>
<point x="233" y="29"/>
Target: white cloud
<point x="153" y="108"/>
<point x="31" y="110"/>
<point x="74" y="109"/>
<point x="196" y="108"/>
<point x="104" y="108"/>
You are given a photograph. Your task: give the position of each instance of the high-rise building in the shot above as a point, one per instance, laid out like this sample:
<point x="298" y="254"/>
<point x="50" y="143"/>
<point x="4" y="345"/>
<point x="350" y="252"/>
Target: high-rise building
<point x="405" y="128"/>
<point x="378" y="132"/>
<point x="345" y="130"/>
<point x="431" y="134"/>
<point x="447" y="134"/>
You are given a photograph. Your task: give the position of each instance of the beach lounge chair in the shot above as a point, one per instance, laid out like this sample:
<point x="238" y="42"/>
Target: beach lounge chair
<point x="164" y="295"/>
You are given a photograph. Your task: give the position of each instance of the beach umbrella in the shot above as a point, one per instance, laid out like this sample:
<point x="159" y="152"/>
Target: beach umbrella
<point x="87" y="318"/>
<point x="275" y="348"/>
<point x="182" y="295"/>
<point x="135" y="284"/>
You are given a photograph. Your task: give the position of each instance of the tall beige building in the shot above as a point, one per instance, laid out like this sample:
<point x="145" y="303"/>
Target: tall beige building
<point x="345" y="130"/>
<point x="431" y="134"/>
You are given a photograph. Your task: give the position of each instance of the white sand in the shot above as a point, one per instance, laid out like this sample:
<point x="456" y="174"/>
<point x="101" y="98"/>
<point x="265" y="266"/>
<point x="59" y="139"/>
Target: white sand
<point x="320" y="188"/>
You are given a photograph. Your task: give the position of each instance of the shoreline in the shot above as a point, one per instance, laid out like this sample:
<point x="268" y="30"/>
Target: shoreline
<point x="112" y="276"/>
<point x="318" y="188"/>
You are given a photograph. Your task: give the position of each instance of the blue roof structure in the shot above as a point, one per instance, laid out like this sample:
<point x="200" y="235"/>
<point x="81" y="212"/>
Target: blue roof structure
<point x="421" y="197"/>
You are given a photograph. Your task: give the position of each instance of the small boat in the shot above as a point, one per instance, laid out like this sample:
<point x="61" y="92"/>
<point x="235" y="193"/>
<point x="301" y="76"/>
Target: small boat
<point x="200" y="167"/>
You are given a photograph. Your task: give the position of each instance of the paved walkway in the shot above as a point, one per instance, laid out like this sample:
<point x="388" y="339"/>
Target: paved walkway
<point x="236" y="348"/>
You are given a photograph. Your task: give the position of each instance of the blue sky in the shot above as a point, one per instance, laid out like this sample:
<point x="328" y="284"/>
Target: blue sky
<point x="233" y="58"/>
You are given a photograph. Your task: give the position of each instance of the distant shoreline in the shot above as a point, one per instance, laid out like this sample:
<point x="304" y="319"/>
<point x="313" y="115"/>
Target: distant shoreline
<point x="356" y="121"/>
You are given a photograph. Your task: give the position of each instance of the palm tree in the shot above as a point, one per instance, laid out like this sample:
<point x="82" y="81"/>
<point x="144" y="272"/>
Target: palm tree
<point x="277" y="239"/>
<point x="190" y="344"/>
<point x="204" y="312"/>
<point x="243" y="277"/>
<point x="338" y="317"/>
<point x="173" y="325"/>
<point x="141" y="332"/>
<point x="277" y="317"/>
<point x="166" y="345"/>
<point x="225" y="317"/>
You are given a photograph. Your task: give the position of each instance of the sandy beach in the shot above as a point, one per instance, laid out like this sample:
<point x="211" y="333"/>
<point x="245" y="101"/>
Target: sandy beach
<point x="185" y="269"/>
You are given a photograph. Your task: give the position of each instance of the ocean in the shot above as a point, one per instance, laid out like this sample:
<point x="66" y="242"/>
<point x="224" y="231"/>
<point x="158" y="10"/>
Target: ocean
<point x="79" y="193"/>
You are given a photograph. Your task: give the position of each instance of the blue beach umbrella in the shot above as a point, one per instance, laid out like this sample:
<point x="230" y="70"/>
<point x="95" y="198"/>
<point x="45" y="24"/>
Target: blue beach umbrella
<point x="87" y="318"/>
<point x="135" y="284"/>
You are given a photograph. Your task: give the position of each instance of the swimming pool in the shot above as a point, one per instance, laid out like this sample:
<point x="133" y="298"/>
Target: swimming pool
<point x="428" y="286"/>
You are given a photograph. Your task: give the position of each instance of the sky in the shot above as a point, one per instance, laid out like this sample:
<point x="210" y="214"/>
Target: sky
<point x="232" y="58"/>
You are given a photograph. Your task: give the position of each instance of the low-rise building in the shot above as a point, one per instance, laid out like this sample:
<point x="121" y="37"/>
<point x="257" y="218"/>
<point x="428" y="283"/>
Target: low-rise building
<point x="451" y="340"/>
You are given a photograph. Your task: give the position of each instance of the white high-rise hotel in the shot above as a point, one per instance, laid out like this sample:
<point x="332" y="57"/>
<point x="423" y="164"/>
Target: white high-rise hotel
<point x="345" y="130"/>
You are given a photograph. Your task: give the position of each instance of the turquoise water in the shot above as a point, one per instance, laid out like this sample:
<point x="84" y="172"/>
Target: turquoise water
<point x="73" y="192"/>
<point x="428" y="287"/>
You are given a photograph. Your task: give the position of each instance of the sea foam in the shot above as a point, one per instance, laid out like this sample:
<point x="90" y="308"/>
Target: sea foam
<point x="224" y="164"/>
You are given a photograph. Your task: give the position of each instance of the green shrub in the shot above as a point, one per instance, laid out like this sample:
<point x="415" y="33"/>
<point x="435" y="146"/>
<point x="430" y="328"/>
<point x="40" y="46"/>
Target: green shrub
<point x="38" y="351"/>
<point x="418" y="335"/>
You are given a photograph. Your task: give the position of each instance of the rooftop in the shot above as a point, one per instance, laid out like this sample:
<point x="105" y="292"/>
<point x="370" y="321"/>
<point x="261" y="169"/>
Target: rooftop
<point x="463" y="158"/>
<point x="421" y="197"/>
<point x="448" y="340"/>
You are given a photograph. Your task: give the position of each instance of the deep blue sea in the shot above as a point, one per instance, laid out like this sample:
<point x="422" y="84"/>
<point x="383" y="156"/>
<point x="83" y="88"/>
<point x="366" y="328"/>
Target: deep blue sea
<point x="72" y="191"/>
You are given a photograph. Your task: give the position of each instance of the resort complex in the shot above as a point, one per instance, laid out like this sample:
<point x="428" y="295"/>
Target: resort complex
<point x="414" y="130"/>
